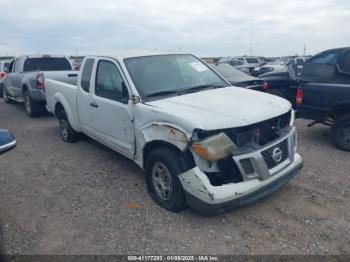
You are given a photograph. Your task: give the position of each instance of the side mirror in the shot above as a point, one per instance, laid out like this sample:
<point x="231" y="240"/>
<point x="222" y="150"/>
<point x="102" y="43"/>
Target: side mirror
<point x="7" y="141"/>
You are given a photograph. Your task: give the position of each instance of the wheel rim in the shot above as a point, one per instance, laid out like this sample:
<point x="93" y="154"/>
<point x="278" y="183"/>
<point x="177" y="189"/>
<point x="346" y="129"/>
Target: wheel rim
<point x="27" y="102"/>
<point x="162" y="181"/>
<point x="344" y="134"/>
<point x="64" y="129"/>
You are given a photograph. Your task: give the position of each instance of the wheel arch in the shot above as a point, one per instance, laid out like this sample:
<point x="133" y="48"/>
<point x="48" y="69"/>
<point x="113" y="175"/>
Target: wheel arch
<point x="61" y="104"/>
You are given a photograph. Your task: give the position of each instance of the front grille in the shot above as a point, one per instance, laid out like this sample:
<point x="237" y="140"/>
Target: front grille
<point x="268" y="154"/>
<point x="247" y="166"/>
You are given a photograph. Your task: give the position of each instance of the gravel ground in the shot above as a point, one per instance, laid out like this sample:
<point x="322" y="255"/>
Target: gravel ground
<point x="58" y="198"/>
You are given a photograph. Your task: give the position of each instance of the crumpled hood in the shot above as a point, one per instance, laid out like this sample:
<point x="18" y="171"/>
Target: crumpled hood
<point x="224" y="107"/>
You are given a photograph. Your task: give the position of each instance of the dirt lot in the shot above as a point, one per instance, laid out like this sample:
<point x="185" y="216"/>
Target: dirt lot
<point x="58" y="198"/>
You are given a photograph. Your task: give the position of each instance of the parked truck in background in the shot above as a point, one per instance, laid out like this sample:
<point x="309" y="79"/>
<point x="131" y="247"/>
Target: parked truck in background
<point x="324" y="93"/>
<point x="25" y="79"/>
<point x="4" y="65"/>
<point x="201" y="142"/>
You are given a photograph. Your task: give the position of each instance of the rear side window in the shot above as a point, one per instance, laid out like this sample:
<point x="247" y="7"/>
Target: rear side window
<point x="6" y="67"/>
<point x="86" y="74"/>
<point x="46" y="64"/>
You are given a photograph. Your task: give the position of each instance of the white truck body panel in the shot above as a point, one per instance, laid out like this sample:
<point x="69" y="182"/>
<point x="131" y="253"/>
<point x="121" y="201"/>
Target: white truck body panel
<point x="128" y="127"/>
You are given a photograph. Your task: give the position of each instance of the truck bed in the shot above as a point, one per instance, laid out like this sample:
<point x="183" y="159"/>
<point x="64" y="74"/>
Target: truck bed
<point x="55" y="89"/>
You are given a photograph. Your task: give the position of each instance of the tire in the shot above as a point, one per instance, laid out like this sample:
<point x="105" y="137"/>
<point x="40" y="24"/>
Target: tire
<point x="7" y="100"/>
<point x="68" y="134"/>
<point x="162" y="169"/>
<point x="1" y="90"/>
<point x="340" y="133"/>
<point x="33" y="108"/>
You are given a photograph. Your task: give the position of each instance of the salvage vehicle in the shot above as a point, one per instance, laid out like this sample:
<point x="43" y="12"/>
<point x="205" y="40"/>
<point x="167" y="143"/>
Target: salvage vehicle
<point x="240" y="79"/>
<point x="3" y="69"/>
<point x="201" y="143"/>
<point x="25" y="79"/>
<point x="324" y="93"/>
<point x="7" y="141"/>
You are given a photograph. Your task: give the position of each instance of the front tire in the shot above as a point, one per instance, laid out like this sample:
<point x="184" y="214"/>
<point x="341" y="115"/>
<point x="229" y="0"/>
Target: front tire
<point x="68" y="134"/>
<point x="162" y="169"/>
<point x="340" y="133"/>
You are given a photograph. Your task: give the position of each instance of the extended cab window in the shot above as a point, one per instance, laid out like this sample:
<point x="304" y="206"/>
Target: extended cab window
<point x="86" y="74"/>
<point x="47" y="64"/>
<point x="109" y="82"/>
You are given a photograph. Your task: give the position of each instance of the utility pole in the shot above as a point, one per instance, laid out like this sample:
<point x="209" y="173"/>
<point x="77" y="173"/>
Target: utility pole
<point x="251" y="36"/>
<point x="304" y="50"/>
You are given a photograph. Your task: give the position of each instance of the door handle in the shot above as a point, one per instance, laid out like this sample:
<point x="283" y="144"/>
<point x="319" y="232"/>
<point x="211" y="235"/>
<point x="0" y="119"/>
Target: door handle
<point x="94" y="104"/>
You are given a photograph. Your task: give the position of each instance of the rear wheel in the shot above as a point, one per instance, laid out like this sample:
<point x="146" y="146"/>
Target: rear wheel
<point x="68" y="134"/>
<point x="33" y="108"/>
<point x="7" y="100"/>
<point x="162" y="169"/>
<point x="340" y="133"/>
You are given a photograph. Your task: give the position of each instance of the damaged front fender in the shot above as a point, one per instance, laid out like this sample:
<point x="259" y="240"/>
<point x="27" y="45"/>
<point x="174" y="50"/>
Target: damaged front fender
<point x="160" y="131"/>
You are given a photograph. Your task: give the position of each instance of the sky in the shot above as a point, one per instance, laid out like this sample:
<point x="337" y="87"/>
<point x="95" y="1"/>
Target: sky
<point x="201" y="27"/>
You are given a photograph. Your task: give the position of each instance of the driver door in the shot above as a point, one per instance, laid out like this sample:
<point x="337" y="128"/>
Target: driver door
<point x="110" y="111"/>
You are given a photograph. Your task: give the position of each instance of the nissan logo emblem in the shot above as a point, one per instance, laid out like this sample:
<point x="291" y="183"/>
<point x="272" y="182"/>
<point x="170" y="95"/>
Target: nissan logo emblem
<point x="277" y="155"/>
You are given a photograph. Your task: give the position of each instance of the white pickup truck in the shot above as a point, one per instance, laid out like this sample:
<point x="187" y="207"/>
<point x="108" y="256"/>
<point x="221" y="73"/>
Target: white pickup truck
<point x="201" y="142"/>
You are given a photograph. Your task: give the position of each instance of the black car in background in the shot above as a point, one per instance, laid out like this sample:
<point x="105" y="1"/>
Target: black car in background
<point x="240" y="79"/>
<point x="285" y="85"/>
<point x="324" y="93"/>
<point x="281" y="84"/>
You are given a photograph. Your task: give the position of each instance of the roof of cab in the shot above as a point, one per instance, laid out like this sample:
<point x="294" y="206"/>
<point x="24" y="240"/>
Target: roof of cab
<point x="131" y="54"/>
<point x="42" y="56"/>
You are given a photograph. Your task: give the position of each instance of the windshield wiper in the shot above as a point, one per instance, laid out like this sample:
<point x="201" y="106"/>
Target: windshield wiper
<point x="161" y="93"/>
<point x="200" y="87"/>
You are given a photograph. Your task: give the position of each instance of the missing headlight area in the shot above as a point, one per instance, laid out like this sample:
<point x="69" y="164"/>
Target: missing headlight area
<point x="229" y="173"/>
<point x="258" y="134"/>
<point x="246" y="140"/>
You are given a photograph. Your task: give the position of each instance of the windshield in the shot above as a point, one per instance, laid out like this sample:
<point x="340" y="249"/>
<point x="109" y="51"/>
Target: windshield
<point x="46" y="64"/>
<point x="166" y="74"/>
<point x="252" y="60"/>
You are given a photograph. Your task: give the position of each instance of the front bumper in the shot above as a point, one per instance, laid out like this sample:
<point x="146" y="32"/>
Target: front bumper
<point x="207" y="199"/>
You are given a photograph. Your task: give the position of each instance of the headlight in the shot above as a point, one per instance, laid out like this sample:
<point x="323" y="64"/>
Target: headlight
<point x="214" y="148"/>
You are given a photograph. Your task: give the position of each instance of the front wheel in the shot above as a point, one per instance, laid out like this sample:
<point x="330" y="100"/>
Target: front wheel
<point x="162" y="169"/>
<point x="340" y="133"/>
